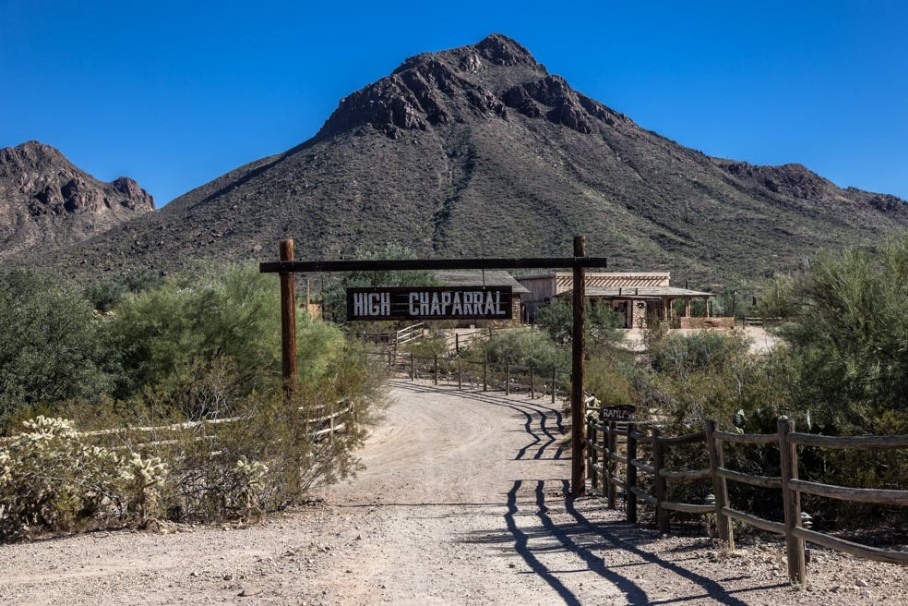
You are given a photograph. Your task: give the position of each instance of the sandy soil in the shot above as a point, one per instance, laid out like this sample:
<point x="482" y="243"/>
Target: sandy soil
<point x="461" y="502"/>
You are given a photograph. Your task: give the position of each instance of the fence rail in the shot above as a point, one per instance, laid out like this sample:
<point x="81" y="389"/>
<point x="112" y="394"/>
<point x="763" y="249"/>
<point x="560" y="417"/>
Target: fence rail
<point x="604" y="459"/>
<point x="330" y="419"/>
<point x="536" y="382"/>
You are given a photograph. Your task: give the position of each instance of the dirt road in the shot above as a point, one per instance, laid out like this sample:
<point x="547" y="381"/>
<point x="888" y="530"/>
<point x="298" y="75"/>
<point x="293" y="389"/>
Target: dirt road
<point x="461" y="502"/>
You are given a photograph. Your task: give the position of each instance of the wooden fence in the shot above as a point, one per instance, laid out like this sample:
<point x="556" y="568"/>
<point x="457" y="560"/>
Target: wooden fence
<point x="509" y="378"/>
<point x="610" y="445"/>
<point x="323" y="420"/>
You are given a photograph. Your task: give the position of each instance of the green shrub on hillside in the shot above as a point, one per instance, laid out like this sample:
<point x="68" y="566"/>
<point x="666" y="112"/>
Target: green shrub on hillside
<point x="50" y="349"/>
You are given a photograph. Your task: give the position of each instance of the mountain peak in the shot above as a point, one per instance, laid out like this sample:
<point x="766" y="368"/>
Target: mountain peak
<point x="46" y="199"/>
<point x="501" y="50"/>
<point x="496" y="78"/>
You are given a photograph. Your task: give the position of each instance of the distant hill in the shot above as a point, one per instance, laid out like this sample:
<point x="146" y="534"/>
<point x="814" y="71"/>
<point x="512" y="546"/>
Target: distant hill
<point x="479" y="151"/>
<point x="47" y="202"/>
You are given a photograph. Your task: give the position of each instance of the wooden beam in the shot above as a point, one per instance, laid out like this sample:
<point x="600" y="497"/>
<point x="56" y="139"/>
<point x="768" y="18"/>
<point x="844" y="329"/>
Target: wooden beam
<point x="430" y="264"/>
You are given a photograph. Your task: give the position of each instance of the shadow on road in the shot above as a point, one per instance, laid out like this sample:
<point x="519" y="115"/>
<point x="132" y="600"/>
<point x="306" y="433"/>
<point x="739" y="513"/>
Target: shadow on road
<point x="537" y="418"/>
<point x="590" y="544"/>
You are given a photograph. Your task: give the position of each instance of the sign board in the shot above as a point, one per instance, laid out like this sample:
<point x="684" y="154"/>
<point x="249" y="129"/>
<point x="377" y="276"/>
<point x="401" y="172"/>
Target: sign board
<point x="429" y="303"/>
<point x="621" y="413"/>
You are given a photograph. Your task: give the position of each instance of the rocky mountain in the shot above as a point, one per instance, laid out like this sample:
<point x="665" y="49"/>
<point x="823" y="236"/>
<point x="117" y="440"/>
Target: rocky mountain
<point x="480" y="151"/>
<point x="46" y="202"/>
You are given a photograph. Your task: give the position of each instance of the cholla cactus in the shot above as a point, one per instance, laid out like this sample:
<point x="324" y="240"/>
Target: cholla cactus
<point x="5" y="467"/>
<point x="47" y="428"/>
<point x="251" y="471"/>
<point x="145" y="475"/>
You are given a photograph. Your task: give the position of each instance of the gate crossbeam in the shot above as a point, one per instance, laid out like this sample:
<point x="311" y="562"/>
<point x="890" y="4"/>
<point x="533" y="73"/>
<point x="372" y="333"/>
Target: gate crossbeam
<point x="430" y="264"/>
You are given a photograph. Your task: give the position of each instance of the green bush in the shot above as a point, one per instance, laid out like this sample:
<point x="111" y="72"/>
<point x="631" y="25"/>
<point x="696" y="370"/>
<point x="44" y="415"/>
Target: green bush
<point x="50" y="349"/>
<point x="557" y="320"/>
<point x="524" y="347"/>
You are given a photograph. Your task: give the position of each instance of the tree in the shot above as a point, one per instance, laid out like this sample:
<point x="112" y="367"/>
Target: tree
<point x="849" y="337"/>
<point x="49" y="344"/>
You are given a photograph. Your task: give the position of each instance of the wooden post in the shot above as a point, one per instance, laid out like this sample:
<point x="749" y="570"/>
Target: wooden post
<point x="610" y="466"/>
<point x="578" y="350"/>
<point x="720" y="486"/>
<point x="591" y="452"/>
<point x="459" y="374"/>
<point x="791" y="501"/>
<point x="507" y="379"/>
<point x="485" y="375"/>
<point x="412" y="367"/>
<point x="532" y="383"/>
<point x="554" y="381"/>
<point x="288" y="321"/>
<point x="631" y="477"/>
<point x="456" y="342"/>
<point x="435" y="369"/>
<point x="659" y="481"/>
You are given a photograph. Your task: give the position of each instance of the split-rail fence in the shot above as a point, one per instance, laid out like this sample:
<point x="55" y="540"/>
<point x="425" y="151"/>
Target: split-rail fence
<point x="612" y="445"/>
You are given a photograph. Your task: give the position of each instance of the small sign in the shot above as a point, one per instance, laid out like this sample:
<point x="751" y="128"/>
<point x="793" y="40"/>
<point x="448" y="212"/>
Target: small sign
<point x="622" y="412"/>
<point x="429" y="303"/>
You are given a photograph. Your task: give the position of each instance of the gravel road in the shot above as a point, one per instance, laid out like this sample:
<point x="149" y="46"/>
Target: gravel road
<point x="461" y="502"/>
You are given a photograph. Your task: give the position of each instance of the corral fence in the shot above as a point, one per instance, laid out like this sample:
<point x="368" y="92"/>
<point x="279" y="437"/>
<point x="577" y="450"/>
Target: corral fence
<point x="321" y="421"/>
<point x="489" y="376"/>
<point x="614" y="448"/>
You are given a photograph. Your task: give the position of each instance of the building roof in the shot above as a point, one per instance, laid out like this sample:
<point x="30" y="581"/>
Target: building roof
<point x="612" y="279"/>
<point x="474" y="277"/>
<point x="643" y="292"/>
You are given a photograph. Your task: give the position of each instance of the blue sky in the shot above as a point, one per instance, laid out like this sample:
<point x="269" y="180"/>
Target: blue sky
<point x="175" y="94"/>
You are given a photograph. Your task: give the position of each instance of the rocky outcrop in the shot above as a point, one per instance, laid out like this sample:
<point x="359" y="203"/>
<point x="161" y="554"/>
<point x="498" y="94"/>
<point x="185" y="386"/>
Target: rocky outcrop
<point x="45" y="199"/>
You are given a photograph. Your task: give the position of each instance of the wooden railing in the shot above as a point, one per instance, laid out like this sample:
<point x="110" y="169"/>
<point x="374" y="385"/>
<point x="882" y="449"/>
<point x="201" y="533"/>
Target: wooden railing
<point x="605" y="455"/>
<point x="333" y="421"/>
<point x="509" y="378"/>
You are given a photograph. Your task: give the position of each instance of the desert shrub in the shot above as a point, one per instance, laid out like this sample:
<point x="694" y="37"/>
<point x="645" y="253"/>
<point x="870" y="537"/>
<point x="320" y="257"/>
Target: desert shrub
<point x="848" y="337"/>
<point x="524" y="347"/>
<point x="51" y="479"/>
<point x="610" y="377"/>
<point x="557" y="320"/>
<point x="104" y="295"/>
<point x="164" y="336"/>
<point x="50" y="349"/>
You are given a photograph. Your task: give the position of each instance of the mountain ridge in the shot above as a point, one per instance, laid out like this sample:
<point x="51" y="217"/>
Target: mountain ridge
<point x="46" y="200"/>
<point x="479" y="151"/>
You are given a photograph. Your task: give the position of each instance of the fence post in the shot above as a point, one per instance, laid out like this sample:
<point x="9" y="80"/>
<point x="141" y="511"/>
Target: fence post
<point x="435" y="369"/>
<point x="507" y="379"/>
<point x="554" y="381"/>
<point x="720" y="486"/>
<point x="532" y="383"/>
<point x="611" y="467"/>
<point x="791" y="500"/>
<point x="412" y="367"/>
<point x="456" y="342"/>
<point x="631" y="482"/>
<point x="459" y="374"/>
<point x="485" y="375"/>
<point x="591" y="452"/>
<point x="659" y="481"/>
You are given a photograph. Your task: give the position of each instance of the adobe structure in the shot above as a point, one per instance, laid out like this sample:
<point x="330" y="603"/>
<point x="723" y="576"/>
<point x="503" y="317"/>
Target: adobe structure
<point x="640" y="297"/>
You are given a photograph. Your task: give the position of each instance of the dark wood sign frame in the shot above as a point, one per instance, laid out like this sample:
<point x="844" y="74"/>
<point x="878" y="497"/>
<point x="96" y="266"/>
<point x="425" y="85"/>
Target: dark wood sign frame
<point x="397" y="303"/>
<point x="287" y="266"/>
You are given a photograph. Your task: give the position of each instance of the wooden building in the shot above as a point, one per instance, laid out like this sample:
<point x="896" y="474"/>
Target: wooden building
<point x="640" y="297"/>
